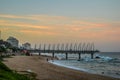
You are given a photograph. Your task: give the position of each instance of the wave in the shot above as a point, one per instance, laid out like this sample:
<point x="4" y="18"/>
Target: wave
<point x="106" y="66"/>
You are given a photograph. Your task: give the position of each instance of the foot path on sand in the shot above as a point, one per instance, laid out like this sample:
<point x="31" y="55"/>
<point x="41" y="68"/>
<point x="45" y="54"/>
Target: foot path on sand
<point x="48" y="71"/>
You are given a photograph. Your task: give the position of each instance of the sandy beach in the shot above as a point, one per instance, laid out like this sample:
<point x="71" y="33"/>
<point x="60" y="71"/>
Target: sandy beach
<point x="48" y="71"/>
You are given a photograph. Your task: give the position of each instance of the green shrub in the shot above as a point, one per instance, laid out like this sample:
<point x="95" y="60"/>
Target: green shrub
<point x="4" y="75"/>
<point x="4" y="67"/>
<point x="7" y="74"/>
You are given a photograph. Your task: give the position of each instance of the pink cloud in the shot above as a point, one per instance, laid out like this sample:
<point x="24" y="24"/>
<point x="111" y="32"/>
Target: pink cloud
<point x="21" y="24"/>
<point x="63" y="26"/>
<point x="35" y="17"/>
<point x="37" y="32"/>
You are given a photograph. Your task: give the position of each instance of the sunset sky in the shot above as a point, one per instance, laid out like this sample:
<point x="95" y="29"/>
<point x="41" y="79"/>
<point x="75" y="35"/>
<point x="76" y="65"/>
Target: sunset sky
<point x="62" y="21"/>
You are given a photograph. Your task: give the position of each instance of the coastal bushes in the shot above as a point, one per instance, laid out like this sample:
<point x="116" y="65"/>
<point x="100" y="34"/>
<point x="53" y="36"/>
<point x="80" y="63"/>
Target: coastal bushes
<point x="7" y="74"/>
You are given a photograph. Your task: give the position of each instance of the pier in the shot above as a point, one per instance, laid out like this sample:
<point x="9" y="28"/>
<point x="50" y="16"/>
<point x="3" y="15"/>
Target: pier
<point x="81" y="48"/>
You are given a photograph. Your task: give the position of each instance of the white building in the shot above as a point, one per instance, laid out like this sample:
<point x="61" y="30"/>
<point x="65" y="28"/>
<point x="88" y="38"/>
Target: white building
<point x="26" y="45"/>
<point x="13" y="41"/>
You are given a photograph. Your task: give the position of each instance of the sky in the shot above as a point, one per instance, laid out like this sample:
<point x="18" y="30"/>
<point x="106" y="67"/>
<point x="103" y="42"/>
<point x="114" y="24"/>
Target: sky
<point x="62" y="21"/>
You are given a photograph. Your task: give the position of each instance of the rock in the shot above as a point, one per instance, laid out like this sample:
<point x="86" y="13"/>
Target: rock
<point x="102" y="72"/>
<point x="29" y="70"/>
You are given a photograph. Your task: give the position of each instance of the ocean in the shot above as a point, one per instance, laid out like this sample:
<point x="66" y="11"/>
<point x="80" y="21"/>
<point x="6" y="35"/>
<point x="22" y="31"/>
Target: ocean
<point x="110" y="54"/>
<point x="108" y="63"/>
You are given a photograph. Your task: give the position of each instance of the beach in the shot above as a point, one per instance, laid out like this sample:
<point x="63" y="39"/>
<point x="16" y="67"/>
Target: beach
<point x="47" y="71"/>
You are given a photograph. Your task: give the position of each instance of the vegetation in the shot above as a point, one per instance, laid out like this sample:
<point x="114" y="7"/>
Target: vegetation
<point x="7" y="74"/>
<point x="6" y="47"/>
<point x="2" y="49"/>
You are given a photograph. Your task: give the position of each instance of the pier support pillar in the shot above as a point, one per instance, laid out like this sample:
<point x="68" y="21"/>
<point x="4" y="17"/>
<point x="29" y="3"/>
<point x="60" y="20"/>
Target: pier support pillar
<point x="92" y="55"/>
<point x="53" y="54"/>
<point x="79" y="56"/>
<point x="39" y="53"/>
<point x="66" y="56"/>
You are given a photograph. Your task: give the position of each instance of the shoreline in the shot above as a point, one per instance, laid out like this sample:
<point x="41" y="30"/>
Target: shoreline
<point x="70" y="67"/>
<point x="81" y="69"/>
<point x="49" y="71"/>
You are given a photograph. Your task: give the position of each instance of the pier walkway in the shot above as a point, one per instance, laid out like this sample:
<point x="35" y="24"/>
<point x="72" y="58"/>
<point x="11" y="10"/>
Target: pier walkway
<point x="66" y="49"/>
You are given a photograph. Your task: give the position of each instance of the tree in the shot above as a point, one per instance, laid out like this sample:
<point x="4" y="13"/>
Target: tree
<point x="2" y="49"/>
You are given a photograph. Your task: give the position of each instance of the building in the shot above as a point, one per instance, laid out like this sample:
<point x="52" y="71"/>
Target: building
<point x="26" y="45"/>
<point x="5" y="44"/>
<point x="13" y="41"/>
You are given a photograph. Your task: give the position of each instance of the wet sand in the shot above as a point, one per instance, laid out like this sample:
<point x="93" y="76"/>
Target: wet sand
<point x="48" y="71"/>
<point x="97" y="66"/>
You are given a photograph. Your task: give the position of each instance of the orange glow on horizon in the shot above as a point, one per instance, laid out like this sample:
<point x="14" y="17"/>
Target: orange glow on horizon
<point x="58" y="28"/>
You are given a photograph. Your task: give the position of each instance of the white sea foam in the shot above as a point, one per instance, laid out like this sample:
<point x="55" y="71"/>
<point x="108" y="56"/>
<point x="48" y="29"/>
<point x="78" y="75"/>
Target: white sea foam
<point x="71" y="67"/>
<point x="105" y="66"/>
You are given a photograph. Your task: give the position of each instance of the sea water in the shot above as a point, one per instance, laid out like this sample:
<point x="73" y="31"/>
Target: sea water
<point x="108" y="63"/>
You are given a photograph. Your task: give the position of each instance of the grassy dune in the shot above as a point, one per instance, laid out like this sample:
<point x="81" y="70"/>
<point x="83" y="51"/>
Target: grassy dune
<point x="7" y="74"/>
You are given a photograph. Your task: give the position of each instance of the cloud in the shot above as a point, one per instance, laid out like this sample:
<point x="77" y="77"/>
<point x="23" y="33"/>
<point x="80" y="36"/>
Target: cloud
<point x="55" y="20"/>
<point x="11" y="16"/>
<point x="37" y="32"/>
<point x="1" y="21"/>
<point x="88" y="23"/>
<point x="61" y="26"/>
<point x="9" y="23"/>
<point x="34" y="17"/>
<point x="50" y="22"/>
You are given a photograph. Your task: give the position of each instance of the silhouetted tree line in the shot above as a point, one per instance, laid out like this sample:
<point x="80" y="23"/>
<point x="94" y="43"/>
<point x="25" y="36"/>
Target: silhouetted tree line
<point x="4" y="46"/>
